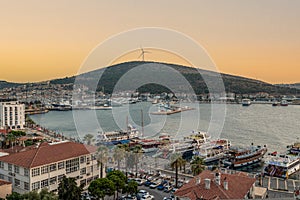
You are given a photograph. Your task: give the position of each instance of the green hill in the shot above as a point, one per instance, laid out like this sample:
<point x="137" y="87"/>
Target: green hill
<point x="111" y="75"/>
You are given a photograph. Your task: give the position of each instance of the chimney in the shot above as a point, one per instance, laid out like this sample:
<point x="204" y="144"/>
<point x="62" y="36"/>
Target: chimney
<point x="198" y="180"/>
<point x="225" y="184"/>
<point x="218" y="178"/>
<point x="207" y="183"/>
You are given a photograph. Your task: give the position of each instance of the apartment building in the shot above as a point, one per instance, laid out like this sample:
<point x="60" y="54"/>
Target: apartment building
<point x="12" y="114"/>
<point x="45" y="166"/>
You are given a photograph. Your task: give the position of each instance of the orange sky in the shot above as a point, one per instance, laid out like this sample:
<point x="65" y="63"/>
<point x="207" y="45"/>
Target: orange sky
<point x="41" y="40"/>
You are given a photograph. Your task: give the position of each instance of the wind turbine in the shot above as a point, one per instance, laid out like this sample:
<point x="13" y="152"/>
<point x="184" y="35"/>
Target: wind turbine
<point x="143" y="53"/>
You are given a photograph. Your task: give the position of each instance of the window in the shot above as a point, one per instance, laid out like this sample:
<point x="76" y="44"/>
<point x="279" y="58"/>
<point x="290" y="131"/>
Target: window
<point x="35" y="172"/>
<point x="1" y="165"/>
<point x="61" y="165"/>
<point x="17" y="169"/>
<point x="44" y="170"/>
<point x="60" y="177"/>
<point x="26" y="186"/>
<point x="53" y="167"/>
<point x="10" y="179"/>
<point x="53" y="180"/>
<point x="10" y="167"/>
<point x="72" y="165"/>
<point x="36" y="185"/>
<point x="17" y="183"/>
<point x="82" y="159"/>
<point x="44" y="183"/>
<point x="1" y="176"/>
<point x="26" y="172"/>
<point x="83" y="171"/>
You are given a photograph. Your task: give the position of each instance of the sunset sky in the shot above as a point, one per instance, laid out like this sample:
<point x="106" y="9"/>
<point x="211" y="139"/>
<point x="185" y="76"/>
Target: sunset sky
<point x="41" y="40"/>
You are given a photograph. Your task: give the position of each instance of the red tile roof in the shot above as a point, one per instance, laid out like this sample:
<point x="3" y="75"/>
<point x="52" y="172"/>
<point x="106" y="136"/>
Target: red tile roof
<point x="4" y="182"/>
<point x="238" y="187"/>
<point x="48" y="153"/>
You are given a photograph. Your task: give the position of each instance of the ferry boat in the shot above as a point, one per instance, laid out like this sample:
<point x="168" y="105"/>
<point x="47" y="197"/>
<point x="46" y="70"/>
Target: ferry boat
<point x="246" y="102"/>
<point x="281" y="165"/>
<point x="149" y="145"/>
<point x="241" y="157"/>
<point x="294" y="149"/>
<point x="213" y="151"/>
<point x="115" y="136"/>
<point x="198" y="137"/>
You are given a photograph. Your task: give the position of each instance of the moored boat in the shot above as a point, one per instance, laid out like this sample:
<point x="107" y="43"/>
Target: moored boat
<point x="244" y="156"/>
<point x="213" y="151"/>
<point x="115" y="136"/>
<point x="281" y="165"/>
<point x="294" y="149"/>
<point x="284" y="103"/>
<point x="246" y="102"/>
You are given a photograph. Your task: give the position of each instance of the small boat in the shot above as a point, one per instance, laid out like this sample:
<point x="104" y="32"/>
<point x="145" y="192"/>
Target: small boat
<point x="281" y="165"/>
<point x="246" y="102"/>
<point x="241" y="157"/>
<point x="294" y="149"/>
<point x="275" y="103"/>
<point x="284" y="103"/>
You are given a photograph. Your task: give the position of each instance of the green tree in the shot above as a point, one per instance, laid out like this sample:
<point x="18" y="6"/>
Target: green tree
<point x="14" y="196"/>
<point x="68" y="189"/>
<point x="88" y="138"/>
<point x="102" y="157"/>
<point x="131" y="187"/>
<point x="119" y="179"/>
<point x="10" y="139"/>
<point x="176" y="162"/>
<point x="102" y="187"/>
<point x="197" y="165"/>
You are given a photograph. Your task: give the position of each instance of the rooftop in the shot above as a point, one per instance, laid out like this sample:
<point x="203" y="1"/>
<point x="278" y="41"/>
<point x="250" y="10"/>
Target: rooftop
<point x="3" y="182"/>
<point x="47" y="153"/>
<point x="238" y="186"/>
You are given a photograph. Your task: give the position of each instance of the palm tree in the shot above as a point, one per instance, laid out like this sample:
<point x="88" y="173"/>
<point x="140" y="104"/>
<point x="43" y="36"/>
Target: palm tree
<point x="176" y="162"/>
<point x="137" y="150"/>
<point x="88" y="138"/>
<point x="126" y="149"/>
<point x="10" y="139"/>
<point x="102" y="157"/>
<point x="197" y="165"/>
<point x="118" y="155"/>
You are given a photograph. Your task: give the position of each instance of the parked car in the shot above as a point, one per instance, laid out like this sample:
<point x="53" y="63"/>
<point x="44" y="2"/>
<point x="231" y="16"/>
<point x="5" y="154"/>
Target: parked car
<point x="129" y="197"/>
<point x="147" y="183"/>
<point x="147" y="197"/>
<point x="154" y="185"/>
<point x="168" y="188"/>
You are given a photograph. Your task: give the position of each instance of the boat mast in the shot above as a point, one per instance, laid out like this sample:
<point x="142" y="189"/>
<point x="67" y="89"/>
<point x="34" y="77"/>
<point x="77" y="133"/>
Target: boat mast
<point x="142" y="123"/>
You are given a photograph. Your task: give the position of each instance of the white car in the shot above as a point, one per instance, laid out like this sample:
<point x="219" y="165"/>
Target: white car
<point x="147" y="197"/>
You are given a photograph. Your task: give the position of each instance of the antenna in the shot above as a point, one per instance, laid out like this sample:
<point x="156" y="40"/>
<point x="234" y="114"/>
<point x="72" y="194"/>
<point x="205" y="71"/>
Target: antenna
<point x="143" y="53"/>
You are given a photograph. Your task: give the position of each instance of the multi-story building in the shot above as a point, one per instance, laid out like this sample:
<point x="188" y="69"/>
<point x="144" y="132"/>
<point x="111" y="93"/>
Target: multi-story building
<point x="12" y="115"/>
<point x="46" y="165"/>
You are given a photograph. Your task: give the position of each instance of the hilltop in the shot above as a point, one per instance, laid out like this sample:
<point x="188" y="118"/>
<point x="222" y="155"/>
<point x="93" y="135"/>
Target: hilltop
<point x="111" y="74"/>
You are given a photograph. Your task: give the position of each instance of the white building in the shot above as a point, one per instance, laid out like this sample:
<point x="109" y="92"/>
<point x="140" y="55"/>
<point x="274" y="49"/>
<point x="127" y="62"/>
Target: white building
<point x="45" y="165"/>
<point x="12" y="115"/>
